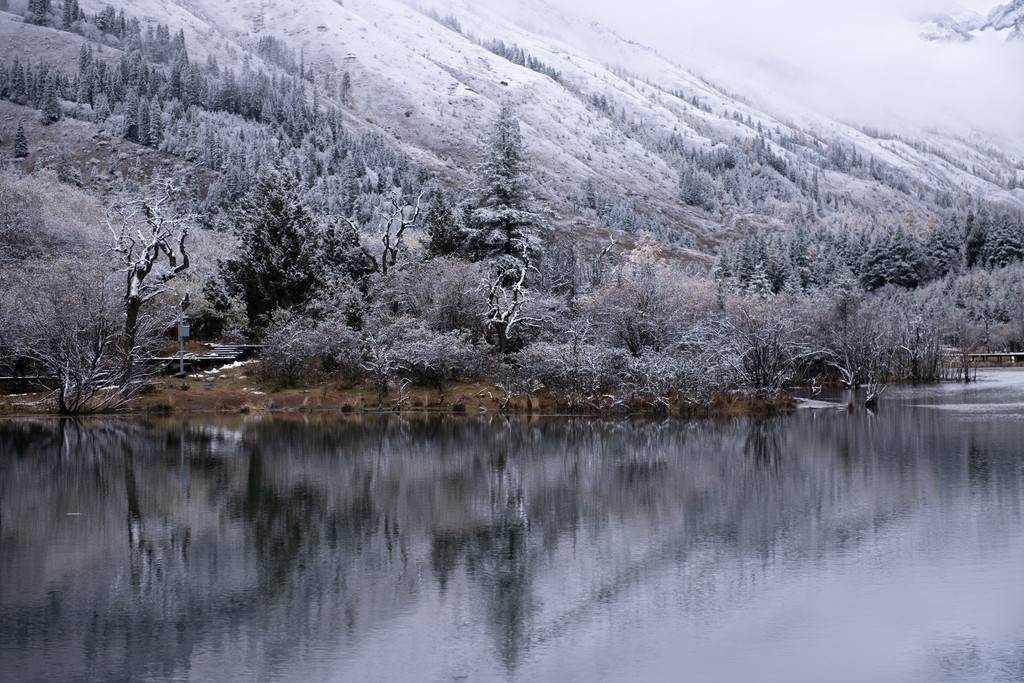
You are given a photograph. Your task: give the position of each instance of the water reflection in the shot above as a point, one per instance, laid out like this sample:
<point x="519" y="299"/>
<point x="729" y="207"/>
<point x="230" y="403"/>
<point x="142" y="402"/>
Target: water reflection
<point x="438" y="549"/>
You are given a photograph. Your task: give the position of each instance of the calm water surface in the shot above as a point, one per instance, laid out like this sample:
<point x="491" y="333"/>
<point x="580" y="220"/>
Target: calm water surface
<point x="826" y="546"/>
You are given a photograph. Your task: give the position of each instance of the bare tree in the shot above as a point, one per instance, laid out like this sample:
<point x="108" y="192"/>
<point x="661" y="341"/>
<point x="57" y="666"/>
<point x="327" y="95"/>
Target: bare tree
<point x="152" y="244"/>
<point x="67" y="328"/>
<point x="507" y="296"/>
<point x="762" y="348"/>
<point x="391" y="229"/>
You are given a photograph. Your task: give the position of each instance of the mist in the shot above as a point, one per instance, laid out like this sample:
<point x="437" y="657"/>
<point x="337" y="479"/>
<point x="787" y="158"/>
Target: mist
<point x="857" y="61"/>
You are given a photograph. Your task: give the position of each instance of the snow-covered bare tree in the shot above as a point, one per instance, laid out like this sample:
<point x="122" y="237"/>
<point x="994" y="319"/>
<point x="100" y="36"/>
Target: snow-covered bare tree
<point x="152" y="242"/>
<point x="396" y="217"/>
<point x="507" y="300"/>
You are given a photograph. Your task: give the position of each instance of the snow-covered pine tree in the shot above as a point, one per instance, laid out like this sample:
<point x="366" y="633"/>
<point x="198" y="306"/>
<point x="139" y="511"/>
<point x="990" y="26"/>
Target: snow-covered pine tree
<point x="1004" y="244"/>
<point x="131" y="116"/>
<point x="446" y="237"/>
<point x="944" y="249"/>
<point x="975" y="230"/>
<point x="276" y="266"/>
<point x="51" y="99"/>
<point x="502" y="223"/>
<point x="349" y="185"/>
<point x="69" y="15"/>
<point x="38" y="11"/>
<point x="142" y="127"/>
<point x="20" y="143"/>
<point x="894" y="259"/>
<point x="760" y="285"/>
<point x="156" y="124"/>
<point x="19" y="84"/>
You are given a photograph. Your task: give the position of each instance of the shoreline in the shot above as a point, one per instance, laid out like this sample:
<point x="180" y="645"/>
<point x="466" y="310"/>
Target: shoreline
<point x="231" y="392"/>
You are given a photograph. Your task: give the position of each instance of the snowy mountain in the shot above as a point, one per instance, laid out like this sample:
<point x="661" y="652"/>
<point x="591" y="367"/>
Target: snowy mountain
<point x="951" y="27"/>
<point x="1009" y="17"/>
<point x="963" y="25"/>
<point x="621" y="136"/>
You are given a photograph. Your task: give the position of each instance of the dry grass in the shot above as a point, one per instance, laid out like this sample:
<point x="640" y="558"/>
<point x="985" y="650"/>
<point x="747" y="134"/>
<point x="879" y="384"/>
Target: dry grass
<point x="232" y="391"/>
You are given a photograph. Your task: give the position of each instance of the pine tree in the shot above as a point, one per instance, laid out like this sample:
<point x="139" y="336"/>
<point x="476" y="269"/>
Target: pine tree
<point x="20" y="143"/>
<point x="503" y="224"/>
<point x="445" y="235"/>
<point x="976" y="229"/>
<point x="892" y="260"/>
<point x="51" y="100"/>
<point x="131" y="116"/>
<point x="346" y="88"/>
<point x="156" y="123"/>
<point x="38" y="11"/>
<point x="277" y="262"/>
<point x="944" y="250"/>
<point x="349" y="185"/>
<point x="69" y="15"/>
<point x="1004" y="244"/>
<point x="142" y="127"/>
<point x="760" y="285"/>
<point x="19" y="83"/>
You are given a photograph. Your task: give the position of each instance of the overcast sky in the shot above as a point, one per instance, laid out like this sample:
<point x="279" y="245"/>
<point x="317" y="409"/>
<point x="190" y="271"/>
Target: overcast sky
<point x="857" y="59"/>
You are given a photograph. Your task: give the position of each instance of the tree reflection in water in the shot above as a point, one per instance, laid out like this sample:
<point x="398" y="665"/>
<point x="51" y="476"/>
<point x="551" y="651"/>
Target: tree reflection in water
<point x="273" y="538"/>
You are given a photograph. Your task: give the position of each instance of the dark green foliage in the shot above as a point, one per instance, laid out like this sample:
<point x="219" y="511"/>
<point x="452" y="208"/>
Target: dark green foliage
<point x="975" y="246"/>
<point x="893" y="259"/>
<point x="51" y="100"/>
<point x="446" y="237"/>
<point x="944" y="249"/>
<point x="1004" y="242"/>
<point x="20" y="143"/>
<point x="278" y="263"/>
<point x="38" y="11"/>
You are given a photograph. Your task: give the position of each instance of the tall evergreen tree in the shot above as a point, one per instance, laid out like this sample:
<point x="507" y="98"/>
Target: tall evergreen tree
<point x="38" y="11"/>
<point x="944" y="250"/>
<point x="1004" y="244"/>
<point x="69" y="15"/>
<point x="446" y="237"/>
<point x="51" y="99"/>
<point x="976" y="229"/>
<point x="277" y="264"/>
<point x="502" y="223"/>
<point x="893" y="259"/>
<point x="20" y="143"/>
<point x="142" y="127"/>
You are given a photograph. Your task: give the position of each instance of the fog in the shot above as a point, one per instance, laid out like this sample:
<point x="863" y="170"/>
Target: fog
<point x="861" y="60"/>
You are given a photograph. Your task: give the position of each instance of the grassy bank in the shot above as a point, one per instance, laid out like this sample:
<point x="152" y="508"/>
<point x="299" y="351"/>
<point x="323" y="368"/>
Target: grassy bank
<point x="233" y="391"/>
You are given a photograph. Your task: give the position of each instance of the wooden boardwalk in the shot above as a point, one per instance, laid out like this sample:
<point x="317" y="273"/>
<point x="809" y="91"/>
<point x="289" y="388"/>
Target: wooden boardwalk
<point x="218" y="356"/>
<point x="1001" y="358"/>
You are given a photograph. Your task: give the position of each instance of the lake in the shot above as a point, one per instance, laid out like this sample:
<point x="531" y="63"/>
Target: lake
<point x="823" y="546"/>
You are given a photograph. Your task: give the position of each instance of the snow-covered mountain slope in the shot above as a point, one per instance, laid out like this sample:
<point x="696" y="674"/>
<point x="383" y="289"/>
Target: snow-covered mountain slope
<point x="607" y="112"/>
<point x="961" y="25"/>
<point x="1009" y="17"/>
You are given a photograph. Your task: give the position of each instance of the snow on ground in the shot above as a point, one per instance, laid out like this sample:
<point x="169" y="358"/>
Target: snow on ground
<point x="434" y="91"/>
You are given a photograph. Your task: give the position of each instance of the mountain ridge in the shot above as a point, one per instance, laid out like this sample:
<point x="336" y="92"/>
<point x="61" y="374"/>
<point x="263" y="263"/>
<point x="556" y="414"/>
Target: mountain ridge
<point x="618" y="131"/>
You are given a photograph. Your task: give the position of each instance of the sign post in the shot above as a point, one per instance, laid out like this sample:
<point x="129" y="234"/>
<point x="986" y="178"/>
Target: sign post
<point x="184" y="332"/>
